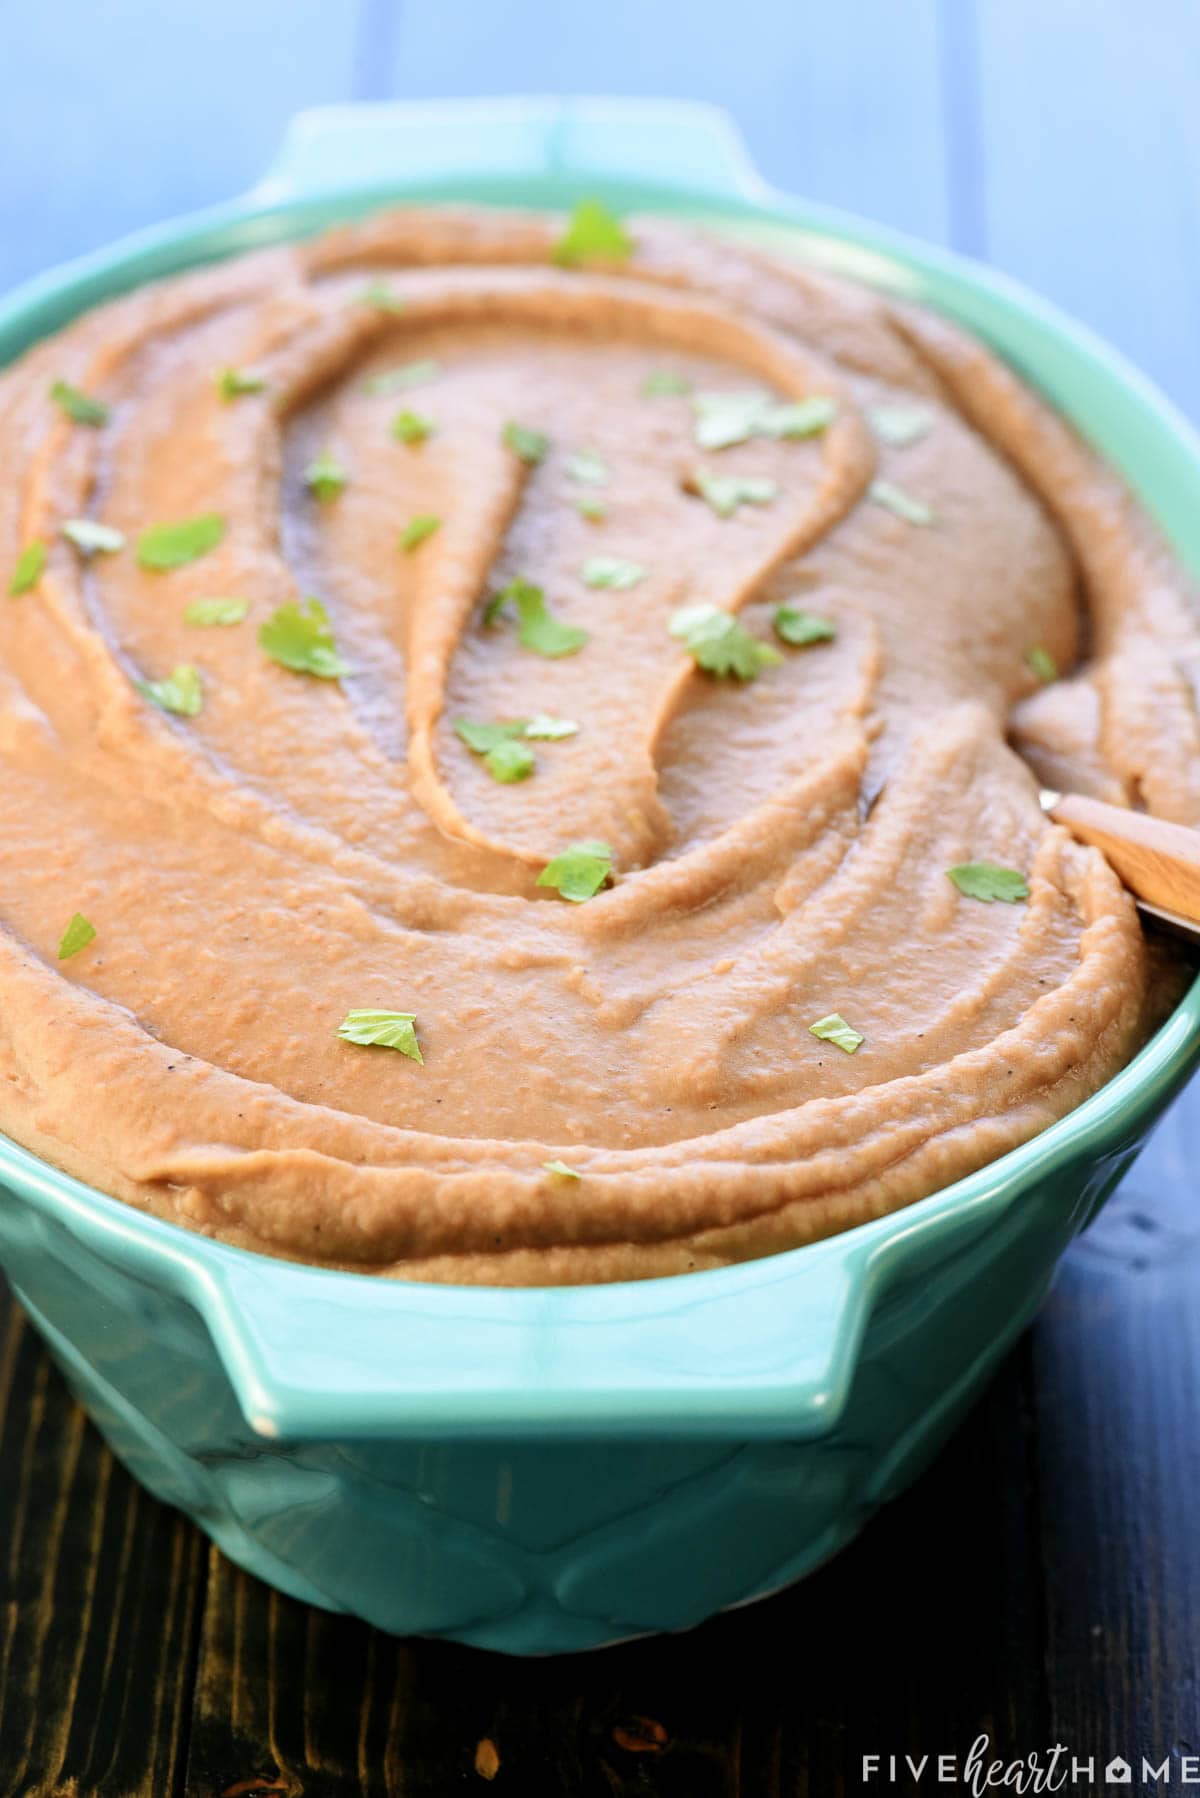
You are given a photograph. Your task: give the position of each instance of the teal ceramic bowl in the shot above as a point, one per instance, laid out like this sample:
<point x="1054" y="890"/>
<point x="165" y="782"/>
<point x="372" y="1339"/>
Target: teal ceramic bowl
<point x="544" y="1470"/>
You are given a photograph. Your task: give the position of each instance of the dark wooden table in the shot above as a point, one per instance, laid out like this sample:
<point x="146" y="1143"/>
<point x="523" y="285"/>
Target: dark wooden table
<point x="1042" y="1583"/>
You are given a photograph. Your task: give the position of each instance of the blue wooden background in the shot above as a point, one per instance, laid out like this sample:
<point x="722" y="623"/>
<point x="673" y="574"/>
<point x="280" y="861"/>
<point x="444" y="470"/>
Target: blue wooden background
<point x="1057" y="138"/>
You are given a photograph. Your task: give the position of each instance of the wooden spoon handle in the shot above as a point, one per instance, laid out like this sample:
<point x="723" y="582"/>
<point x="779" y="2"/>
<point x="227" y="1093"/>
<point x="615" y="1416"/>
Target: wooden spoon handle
<point x="1159" y="862"/>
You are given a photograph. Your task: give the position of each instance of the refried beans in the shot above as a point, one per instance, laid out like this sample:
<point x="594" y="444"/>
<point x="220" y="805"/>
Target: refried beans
<point x="470" y="707"/>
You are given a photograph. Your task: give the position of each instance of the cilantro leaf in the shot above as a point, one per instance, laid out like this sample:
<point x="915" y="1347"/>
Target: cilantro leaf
<point x="506" y="758"/>
<point x="725" y="493"/>
<point x="481" y="739"/>
<point x="834" y="1029"/>
<point x="410" y="374"/>
<point x="79" y="407"/>
<point x="531" y="446"/>
<point x="593" y="234"/>
<point x="612" y="571"/>
<point x="989" y="881"/>
<point x="579" y="872"/>
<point x="165" y="546"/>
<point x="510" y="761"/>
<point x="298" y="636"/>
<point x="588" y="466"/>
<point x="88" y="536"/>
<point x="232" y="383"/>
<point x="179" y="692"/>
<point x="383" y="1030"/>
<point x="664" y="383"/>
<point x="719" y="644"/>
<point x="792" y="419"/>
<point x="801" y="628"/>
<point x="723" y="418"/>
<point x="590" y="505"/>
<point x="411" y="427"/>
<point x="561" y="1169"/>
<point x="895" y="499"/>
<point x="416" y="531"/>
<point x="78" y="934"/>
<point x="537" y="627"/>
<point x="377" y="293"/>
<point x="325" y="476"/>
<point x="1041" y="663"/>
<point x="209" y="612"/>
<point x="547" y="729"/>
<point x="900" y="425"/>
<point x="27" y="571"/>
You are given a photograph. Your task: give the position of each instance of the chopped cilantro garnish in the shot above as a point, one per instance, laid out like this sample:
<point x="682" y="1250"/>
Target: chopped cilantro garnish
<point x="719" y="644"/>
<point x="416" y="531"/>
<point x="377" y="293"/>
<point x="834" y="1029"/>
<point x="89" y="536"/>
<point x="612" y="571"/>
<point x="28" y="569"/>
<point x="801" y="628"/>
<point x="561" y="1169"/>
<point x="590" y="505"/>
<point x="505" y="746"/>
<point x="723" y="419"/>
<point x="798" y="418"/>
<point x="1041" y="663"/>
<point x="79" y="407"/>
<point x="209" y="612"/>
<point x="531" y="446"/>
<point x="505" y="756"/>
<point x="410" y="374"/>
<point x="481" y="739"/>
<point x="382" y="1030"/>
<point x="989" y="881"/>
<point x="180" y="692"/>
<point x="579" y="872"/>
<point x="232" y="383"/>
<point x="664" y="383"/>
<point x="900" y="425"/>
<point x="593" y="234"/>
<point x="510" y="761"/>
<point x="298" y="636"/>
<point x="325" y="476"/>
<point x="588" y="466"/>
<point x="895" y="499"/>
<point x="78" y="934"/>
<point x="725" y="493"/>
<point x="411" y="427"/>
<point x="547" y="729"/>
<point x="165" y="546"/>
<point x="537" y="627"/>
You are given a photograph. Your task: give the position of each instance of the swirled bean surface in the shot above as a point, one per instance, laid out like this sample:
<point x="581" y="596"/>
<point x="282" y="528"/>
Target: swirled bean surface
<point x="304" y="846"/>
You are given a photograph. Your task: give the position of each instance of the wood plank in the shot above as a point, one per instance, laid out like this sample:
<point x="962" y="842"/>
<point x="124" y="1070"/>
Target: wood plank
<point x="925" y="1632"/>
<point x="126" y="113"/>
<point x="99" y="1595"/>
<point x="1090" y="137"/>
<point x="843" y="104"/>
<point x="1118" y="1384"/>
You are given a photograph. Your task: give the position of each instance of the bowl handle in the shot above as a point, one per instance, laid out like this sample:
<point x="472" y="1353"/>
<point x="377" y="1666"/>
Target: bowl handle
<point x="564" y="147"/>
<point x="762" y="1349"/>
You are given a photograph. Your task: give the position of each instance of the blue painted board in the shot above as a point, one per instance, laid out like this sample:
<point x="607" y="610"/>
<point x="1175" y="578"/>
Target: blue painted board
<point x="1090" y="134"/>
<point x="122" y="112"/>
<point x="843" y="103"/>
